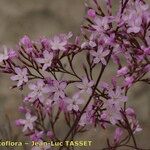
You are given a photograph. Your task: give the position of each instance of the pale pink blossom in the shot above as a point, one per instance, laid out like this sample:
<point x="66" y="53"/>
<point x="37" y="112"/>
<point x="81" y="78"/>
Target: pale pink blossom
<point x="103" y="86"/>
<point x="83" y="120"/>
<point x="85" y="86"/>
<point x="135" y="15"/>
<point x="27" y="43"/>
<point x="109" y="40"/>
<point x="130" y="113"/>
<point x="21" y="76"/>
<point x="90" y="42"/>
<point x="38" y="90"/>
<point x="146" y="50"/>
<point x="48" y="102"/>
<point x="122" y="71"/>
<point x="7" y="54"/>
<point x="99" y="55"/>
<point x="112" y="112"/>
<point x="58" y="44"/>
<point x="135" y="126"/>
<point x="47" y="60"/>
<point x="28" y="122"/>
<point x="117" y="95"/>
<point x="86" y="118"/>
<point x="101" y="23"/>
<point x="84" y="45"/>
<point x="46" y="43"/>
<point x="12" y="54"/>
<point x="57" y="89"/>
<point x="134" y="23"/>
<point x="37" y="135"/>
<point x="74" y="102"/>
<point x="129" y="81"/>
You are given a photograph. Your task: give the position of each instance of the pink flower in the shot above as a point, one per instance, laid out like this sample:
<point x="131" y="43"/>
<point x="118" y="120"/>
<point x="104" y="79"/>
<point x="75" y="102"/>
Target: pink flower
<point x="74" y="102"/>
<point x="23" y="109"/>
<point x="37" y="135"/>
<point x="109" y="40"/>
<point x="134" y="23"/>
<point x="47" y="60"/>
<point x="25" y="41"/>
<point x="48" y="102"/>
<point x="135" y="126"/>
<point x="123" y="71"/>
<point x="58" y="89"/>
<point x="83" y="121"/>
<point x="58" y="44"/>
<point x="118" y="134"/>
<point x="99" y="55"/>
<point x="19" y="122"/>
<point x="129" y="81"/>
<point x="146" y="50"/>
<point x="85" y="86"/>
<point x="130" y="112"/>
<point x="21" y="76"/>
<point x="117" y="95"/>
<point x="4" y="56"/>
<point x="90" y="43"/>
<point x="46" y="43"/>
<point x="91" y="13"/>
<point x="28" y="122"/>
<point x="39" y="89"/>
<point x="86" y="118"/>
<point x="12" y="54"/>
<point x="101" y="24"/>
<point x="135" y="15"/>
<point x="104" y="86"/>
<point x="112" y="112"/>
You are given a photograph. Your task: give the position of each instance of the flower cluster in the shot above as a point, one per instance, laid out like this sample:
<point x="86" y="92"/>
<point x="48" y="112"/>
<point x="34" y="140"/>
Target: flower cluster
<point x="46" y="67"/>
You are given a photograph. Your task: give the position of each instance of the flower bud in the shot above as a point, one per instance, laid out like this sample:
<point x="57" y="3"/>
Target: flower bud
<point x="91" y="13"/>
<point x="118" y="135"/>
<point x="129" y="81"/>
<point x="123" y="71"/>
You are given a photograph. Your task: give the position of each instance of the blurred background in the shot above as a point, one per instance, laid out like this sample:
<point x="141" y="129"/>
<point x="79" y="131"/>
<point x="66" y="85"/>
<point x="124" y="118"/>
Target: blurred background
<point x="38" y="18"/>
